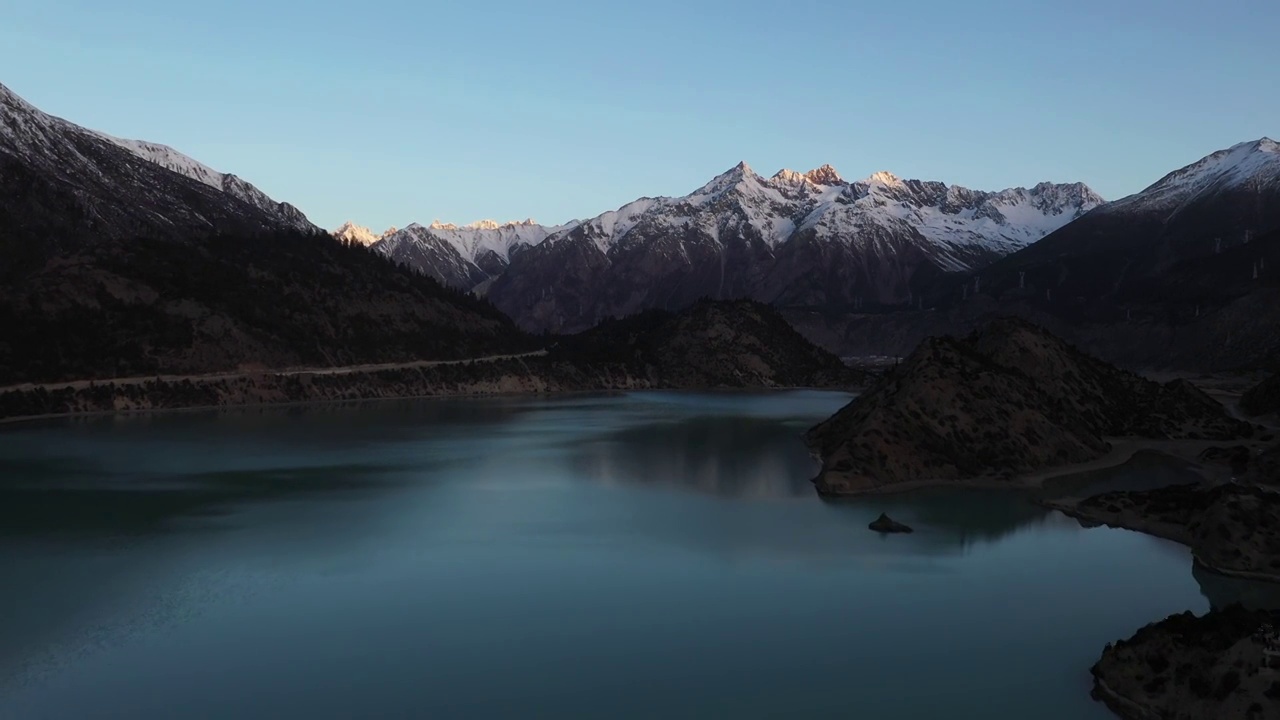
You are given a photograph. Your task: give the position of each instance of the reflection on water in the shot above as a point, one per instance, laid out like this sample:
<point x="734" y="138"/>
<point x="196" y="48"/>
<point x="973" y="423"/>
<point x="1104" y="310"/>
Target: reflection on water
<point x="51" y="505"/>
<point x="723" y="455"/>
<point x="640" y="555"/>
<point x="1221" y="590"/>
<point x="959" y="518"/>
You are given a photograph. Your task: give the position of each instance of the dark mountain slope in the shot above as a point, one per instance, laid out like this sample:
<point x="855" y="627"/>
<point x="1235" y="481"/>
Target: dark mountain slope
<point x="108" y="190"/>
<point x="112" y="264"/>
<point x="1183" y="275"/>
<point x="116" y="308"/>
<point x="710" y="344"/>
<point x="1004" y="401"/>
<point x="1263" y="398"/>
<point x="1202" y="222"/>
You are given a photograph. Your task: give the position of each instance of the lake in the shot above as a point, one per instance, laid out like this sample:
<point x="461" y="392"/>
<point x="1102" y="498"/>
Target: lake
<point x="629" y="556"/>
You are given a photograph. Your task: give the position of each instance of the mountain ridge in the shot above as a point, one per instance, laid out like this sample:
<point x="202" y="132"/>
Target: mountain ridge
<point x="112" y="265"/>
<point x="44" y="139"/>
<point x="870" y="236"/>
<point x="1184" y="275"/>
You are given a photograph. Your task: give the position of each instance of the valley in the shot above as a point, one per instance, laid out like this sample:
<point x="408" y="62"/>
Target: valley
<point x="1017" y="338"/>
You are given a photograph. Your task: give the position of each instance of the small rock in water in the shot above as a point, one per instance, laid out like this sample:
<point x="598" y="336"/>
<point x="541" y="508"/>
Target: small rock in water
<point x="885" y="524"/>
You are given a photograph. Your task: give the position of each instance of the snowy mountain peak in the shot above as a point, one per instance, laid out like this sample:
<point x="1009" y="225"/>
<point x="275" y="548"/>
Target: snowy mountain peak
<point x="790" y="177"/>
<point x="884" y="177"/>
<point x="824" y="175"/>
<point x="731" y="178"/>
<point x="1246" y="166"/>
<point x="350" y="232"/>
<point x="483" y="225"/>
<point x="462" y="255"/>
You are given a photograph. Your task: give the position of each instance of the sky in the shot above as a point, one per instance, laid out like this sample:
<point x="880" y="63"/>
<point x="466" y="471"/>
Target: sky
<point x="387" y="112"/>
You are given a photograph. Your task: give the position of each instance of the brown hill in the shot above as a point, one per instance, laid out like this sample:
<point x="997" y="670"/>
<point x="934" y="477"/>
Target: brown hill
<point x="1006" y="400"/>
<point x="1186" y="667"/>
<point x="730" y="344"/>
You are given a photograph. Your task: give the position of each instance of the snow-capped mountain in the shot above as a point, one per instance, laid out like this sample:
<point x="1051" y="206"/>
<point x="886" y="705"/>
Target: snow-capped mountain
<point x="170" y="159"/>
<point x="351" y="233"/>
<point x="134" y="185"/>
<point x="1248" y="167"/>
<point x="486" y="244"/>
<point x="1183" y="274"/>
<point x="1200" y="215"/>
<point x="462" y="256"/>
<point x="791" y="239"/>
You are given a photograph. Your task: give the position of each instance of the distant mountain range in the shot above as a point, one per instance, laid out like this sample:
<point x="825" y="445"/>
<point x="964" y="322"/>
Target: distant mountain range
<point x="133" y="277"/>
<point x="1181" y="273"/>
<point x="121" y="256"/>
<point x="790" y="239"/>
<point x="1184" y="274"/>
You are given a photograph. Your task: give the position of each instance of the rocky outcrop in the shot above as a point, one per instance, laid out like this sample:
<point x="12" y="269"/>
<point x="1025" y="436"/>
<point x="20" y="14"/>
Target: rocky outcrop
<point x="886" y="524"/>
<point x="1002" y="402"/>
<point x="1263" y="398"/>
<point x="1231" y="528"/>
<point x="1264" y="469"/>
<point x="1235" y="459"/>
<point x="1189" y="668"/>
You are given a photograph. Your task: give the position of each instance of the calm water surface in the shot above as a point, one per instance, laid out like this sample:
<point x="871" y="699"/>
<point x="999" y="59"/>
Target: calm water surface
<point x="648" y="555"/>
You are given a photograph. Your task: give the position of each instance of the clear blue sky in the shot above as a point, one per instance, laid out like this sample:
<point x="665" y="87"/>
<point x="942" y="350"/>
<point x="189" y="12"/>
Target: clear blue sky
<point x="391" y="111"/>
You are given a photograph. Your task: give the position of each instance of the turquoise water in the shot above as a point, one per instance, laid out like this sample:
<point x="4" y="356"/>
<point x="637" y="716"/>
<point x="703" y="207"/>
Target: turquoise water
<point x="638" y="556"/>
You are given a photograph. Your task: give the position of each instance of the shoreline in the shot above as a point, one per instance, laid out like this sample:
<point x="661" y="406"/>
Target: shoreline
<point x="135" y="412"/>
<point x="1119" y="704"/>
<point x="1123" y="451"/>
<point x="250" y="374"/>
<point x="1069" y="506"/>
<point x="15" y="420"/>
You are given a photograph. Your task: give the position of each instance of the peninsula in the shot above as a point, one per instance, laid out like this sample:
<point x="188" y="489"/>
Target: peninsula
<point x="998" y="406"/>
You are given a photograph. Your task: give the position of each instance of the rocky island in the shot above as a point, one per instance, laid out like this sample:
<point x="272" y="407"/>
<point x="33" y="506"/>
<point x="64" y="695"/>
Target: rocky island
<point x="1006" y="401"/>
<point x="886" y="525"/>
